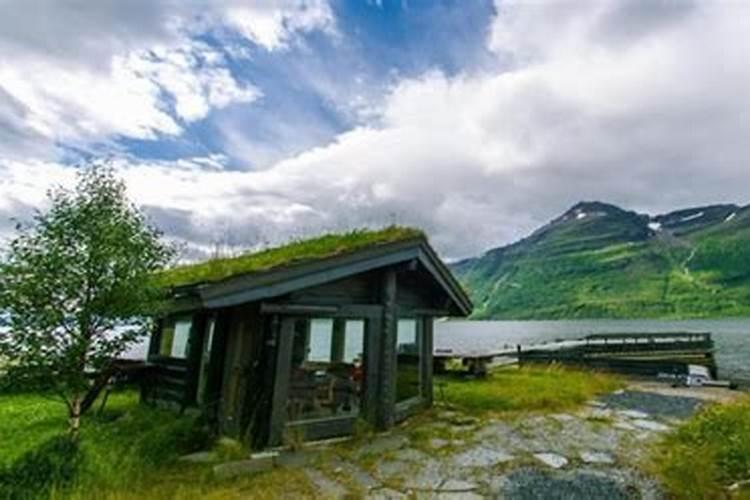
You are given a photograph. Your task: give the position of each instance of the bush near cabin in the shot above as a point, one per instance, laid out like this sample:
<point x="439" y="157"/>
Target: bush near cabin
<point x="708" y="454"/>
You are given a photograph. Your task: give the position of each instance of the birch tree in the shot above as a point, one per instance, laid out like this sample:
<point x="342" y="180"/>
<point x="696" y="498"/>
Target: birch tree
<point x="76" y="286"/>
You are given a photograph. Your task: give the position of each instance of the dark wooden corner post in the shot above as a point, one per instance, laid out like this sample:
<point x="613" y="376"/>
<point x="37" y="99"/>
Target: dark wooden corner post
<point x="387" y="399"/>
<point x="215" y="376"/>
<point x="427" y="366"/>
<point x="284" y="337"/>
<point x="149" y="380"/>
<point x="195" y="351"/>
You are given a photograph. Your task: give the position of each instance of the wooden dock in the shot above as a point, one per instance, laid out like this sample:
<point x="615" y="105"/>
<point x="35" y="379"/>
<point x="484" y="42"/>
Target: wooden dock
<point x="647" y="354"/>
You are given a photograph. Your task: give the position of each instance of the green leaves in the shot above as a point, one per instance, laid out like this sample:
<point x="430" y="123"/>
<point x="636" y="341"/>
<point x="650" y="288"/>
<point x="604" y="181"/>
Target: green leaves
<point x="77" y="283"/>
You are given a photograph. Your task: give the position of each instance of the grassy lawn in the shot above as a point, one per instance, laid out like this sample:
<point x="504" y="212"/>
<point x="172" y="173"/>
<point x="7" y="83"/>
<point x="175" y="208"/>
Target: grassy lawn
<point x="130" y="451"/>
<point x="531" y="388"/>
<point x="707" y="454"/>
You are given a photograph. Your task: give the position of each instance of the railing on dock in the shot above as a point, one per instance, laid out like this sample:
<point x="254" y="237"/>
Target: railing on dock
<point x="633" y="353"/>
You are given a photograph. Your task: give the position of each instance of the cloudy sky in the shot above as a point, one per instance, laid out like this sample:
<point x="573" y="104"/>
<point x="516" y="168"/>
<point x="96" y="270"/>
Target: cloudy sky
<point x="248" y="122"/>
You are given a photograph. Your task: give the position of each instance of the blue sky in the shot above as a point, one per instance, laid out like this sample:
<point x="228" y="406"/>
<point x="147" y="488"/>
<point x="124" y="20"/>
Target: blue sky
<point x="240" y="123"/>
<point x="320" y="85"/>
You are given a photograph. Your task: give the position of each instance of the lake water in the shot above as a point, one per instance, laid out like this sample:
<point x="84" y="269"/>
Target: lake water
<point x="731" y="336"/>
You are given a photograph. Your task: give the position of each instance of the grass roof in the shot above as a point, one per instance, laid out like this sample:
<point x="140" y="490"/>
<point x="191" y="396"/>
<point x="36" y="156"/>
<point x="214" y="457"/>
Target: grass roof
<point x="296" y="252"/>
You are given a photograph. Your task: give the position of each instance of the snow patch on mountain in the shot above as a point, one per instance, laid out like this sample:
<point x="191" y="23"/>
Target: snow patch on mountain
<point x="692" y="217"/>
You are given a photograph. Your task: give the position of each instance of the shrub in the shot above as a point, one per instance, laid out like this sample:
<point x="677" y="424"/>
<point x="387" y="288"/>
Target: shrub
<point x="54" y="464"/>
<point x="183" y="435"/>
<point x="708" y="453"/>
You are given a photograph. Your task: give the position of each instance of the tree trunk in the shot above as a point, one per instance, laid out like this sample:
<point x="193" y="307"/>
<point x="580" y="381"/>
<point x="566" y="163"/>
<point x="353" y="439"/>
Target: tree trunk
<point x="74" y="420"/>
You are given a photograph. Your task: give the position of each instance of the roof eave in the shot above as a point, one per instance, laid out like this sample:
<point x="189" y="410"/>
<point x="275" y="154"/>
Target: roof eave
<point x="258" y="286"/>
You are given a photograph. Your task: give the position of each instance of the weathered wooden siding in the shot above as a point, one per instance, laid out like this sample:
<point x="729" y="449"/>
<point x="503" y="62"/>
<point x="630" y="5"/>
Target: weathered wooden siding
<point x="360" y="289"/>
<point x="417" y="290"/>
<point x="167" y="382"/>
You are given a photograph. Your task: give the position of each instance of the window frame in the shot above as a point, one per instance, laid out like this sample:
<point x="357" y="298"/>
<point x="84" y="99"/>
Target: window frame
<point x="407" y="404"/>
<point x="173" y="321"/>
<point x="360" y="413"/>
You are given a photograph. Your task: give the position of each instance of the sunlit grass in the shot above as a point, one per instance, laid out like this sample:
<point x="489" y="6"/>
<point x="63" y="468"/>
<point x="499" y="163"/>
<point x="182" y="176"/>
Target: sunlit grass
<point x="531" y="388"/>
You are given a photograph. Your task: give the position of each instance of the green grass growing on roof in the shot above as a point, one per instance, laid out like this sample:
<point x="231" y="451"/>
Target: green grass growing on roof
<point x="328" y="245"/>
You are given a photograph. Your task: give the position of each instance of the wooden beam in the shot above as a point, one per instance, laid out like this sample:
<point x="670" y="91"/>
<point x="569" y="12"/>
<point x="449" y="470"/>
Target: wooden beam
<point x="338" y="340"/>
<point x="215" y="375"/>
<point x="388" y="351"/>
<point x="435" y="313"/>
<point x="284" y="339"/>
<point x="271" y="308"/>
<point x="155" y="341"/>
<point x="373" y="340"/>
<point x="427" y="366"/>
<point x="195" y="348"/>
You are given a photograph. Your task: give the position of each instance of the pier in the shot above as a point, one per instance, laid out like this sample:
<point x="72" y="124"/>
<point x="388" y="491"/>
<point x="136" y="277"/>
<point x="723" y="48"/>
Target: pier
<point x="646" y="354"/>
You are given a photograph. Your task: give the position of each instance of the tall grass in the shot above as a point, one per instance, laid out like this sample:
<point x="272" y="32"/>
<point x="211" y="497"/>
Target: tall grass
<point x="530" y="388"/>
<point x="707" y="454"/>
<point x="118" y="447"/>
<point x="128" y="451"/>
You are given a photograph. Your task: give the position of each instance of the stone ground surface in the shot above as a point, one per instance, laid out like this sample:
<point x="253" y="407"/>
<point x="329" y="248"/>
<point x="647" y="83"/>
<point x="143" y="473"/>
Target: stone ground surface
<point x="591" y="453"/>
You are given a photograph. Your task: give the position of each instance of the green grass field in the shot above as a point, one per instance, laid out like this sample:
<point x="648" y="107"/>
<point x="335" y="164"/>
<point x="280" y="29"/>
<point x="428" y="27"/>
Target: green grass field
<point x="130" y="451"/>
<point x="543" y="388"/>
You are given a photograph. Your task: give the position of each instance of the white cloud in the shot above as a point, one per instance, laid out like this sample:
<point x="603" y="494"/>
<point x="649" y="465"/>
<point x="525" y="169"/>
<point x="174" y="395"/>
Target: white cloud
<point x="639" y="103"/>
<point x="271" y="23"/>
<point x="81" y="75"/>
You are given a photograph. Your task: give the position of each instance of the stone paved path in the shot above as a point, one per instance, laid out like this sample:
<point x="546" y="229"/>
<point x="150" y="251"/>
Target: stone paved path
<point x="591" y="453"/>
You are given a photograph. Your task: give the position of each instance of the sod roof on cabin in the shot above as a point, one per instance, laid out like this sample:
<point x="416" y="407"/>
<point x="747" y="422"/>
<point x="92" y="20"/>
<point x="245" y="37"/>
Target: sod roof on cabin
<point x="296" y="252"/>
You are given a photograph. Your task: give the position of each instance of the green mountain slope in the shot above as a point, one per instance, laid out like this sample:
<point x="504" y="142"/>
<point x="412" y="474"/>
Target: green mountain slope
<point x="600" y="261"/>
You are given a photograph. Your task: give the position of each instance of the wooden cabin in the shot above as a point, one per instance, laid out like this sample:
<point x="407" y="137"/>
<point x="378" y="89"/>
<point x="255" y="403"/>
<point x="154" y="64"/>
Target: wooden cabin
<point x="306" y="338"/>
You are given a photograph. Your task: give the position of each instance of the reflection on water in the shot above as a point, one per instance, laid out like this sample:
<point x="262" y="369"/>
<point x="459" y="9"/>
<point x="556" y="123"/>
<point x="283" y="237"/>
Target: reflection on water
<point x="731" y="336"/>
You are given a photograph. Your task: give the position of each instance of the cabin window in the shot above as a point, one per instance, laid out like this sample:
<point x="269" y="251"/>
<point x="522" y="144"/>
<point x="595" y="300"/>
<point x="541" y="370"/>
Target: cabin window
<point x="327" y="368"/>
<point x="408" y="360"/>
<point x="175" y="335"/>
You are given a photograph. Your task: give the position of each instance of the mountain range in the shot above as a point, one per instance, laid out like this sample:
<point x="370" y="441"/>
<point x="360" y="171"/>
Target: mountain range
<point x="598" y="260"/>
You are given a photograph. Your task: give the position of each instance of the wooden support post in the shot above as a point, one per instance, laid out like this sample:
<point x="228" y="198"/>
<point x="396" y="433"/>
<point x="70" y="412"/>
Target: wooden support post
<point x="155" y="342"/>
<point x="338" y="340"/>
<point x="284" y="339"/>
<point x="386" y="414"/>
<point x="195" y="350"/>
<point x="215" y="375"/>
<point x="427" y="362"/>
<point x="373" y="342"/>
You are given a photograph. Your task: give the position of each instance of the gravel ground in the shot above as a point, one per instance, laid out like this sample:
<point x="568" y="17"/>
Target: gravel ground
<point x="535" y="484"/>
<point x="591" y="453"/>
<point x="658" y="405"/>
